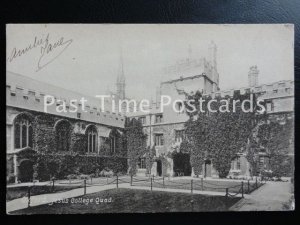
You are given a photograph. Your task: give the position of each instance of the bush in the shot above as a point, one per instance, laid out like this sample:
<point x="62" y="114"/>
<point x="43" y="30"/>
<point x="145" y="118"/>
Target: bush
<point x="84" y="177"/>
<point x="106" y="173"/>
<point x="92" y="175"/>
<point x="72" y="176"/>
<point x="97" y="172"/>
<point x="267" y="174"/>
<point x="49" y="165"/>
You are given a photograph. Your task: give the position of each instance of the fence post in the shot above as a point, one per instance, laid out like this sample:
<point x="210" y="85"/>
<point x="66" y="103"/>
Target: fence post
<point x="163" y="182"/>
<point x="242" y="189"/>
<point x="117" y="181"/>
<point x="202" y="183"/>
<point x="84" y="181"/>
<point x="91" y="180"/>
<point x="53" y="185"/>
<point x="192" y="204"/>
<point x="256" y="181"/>
<point x="191" y="186"/>
<point x="151" y="183"/>
<point x="29" y="196"/>
<point x="248" y="186"/>
<point x="131" y="178"/>
<point x="226" y="196"/>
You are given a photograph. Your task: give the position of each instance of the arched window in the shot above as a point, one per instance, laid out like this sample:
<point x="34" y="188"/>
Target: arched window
<point x="91" y="139"/>
<point x="23" y="132"/>
<point x="63" y="136"/>
<point x="114" y="141"/>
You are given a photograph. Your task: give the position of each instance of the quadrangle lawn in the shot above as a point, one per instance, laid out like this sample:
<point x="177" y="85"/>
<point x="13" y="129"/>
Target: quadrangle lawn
<point x="134" y="201"/>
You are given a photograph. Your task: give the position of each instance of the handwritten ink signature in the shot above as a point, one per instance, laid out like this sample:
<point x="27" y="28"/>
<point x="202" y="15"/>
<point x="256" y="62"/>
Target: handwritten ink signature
<point x="49" y="50"/>
<point x="52" y="50"/>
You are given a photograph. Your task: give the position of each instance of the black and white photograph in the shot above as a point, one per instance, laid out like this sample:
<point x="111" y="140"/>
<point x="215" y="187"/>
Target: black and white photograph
<point x="149" y="118"/>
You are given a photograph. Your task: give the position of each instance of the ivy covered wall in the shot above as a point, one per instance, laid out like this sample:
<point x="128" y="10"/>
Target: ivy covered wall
<point x="49" y="161"/>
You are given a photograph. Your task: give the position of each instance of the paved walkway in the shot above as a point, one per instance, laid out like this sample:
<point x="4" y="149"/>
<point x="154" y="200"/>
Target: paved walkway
<point x="273" y="196"/>
<point x="36" y="200"/>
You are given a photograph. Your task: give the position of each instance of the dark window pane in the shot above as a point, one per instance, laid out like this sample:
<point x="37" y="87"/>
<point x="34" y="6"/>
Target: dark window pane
<point x="94" y="143"/>
<point x="24" y="136"/>
<point x="17" y="136"/>
<point x="90" y="143"/>
<point x="112" y="147"/>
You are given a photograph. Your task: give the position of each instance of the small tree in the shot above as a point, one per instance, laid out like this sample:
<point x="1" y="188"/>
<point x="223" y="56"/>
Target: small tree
<point x="278" y="140"/>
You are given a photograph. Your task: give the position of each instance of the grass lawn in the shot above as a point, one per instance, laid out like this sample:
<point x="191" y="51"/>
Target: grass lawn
<point x="130" y="201"/>
<point x="22" y="191"/>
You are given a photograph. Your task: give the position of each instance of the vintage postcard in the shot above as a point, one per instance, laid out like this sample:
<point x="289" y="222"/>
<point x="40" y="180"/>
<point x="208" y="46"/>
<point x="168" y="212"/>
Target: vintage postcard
<point x="145" y="118"/>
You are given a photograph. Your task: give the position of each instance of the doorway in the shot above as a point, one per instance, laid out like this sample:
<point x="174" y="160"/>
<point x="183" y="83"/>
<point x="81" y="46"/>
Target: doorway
<point x="26" y="170"/>
<point x="159" y="167"/>
<point x="207" y="168"/>
<point x="182" y="165"/>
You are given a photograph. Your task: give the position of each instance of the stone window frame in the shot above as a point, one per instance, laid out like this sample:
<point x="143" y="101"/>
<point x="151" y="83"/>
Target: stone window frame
<point x="159" y="139"/>
<point x="142" y="119"/>
<point x="160" y="120"/>
<point x="180" y="107"/>
<point x="24" y="124"/>
<point x="142" y="163"/>
<point x="179" y="137"/>
<point x="270" y="106"/>
<point x="92" y="139"/>
<point x="63" y="136"/>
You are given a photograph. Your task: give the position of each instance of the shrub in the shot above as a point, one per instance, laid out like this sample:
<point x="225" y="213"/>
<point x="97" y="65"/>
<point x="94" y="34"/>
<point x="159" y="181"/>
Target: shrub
<point x="267" y="174"/>
<point x="83" y="177"/>
<point x="72" y="176"/>
<point x="48" y="165"/>
<point x="106" y="173"/>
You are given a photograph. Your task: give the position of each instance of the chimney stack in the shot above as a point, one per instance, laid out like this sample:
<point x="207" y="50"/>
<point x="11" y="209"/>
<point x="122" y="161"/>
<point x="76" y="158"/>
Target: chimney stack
<point x="253" y="76"/>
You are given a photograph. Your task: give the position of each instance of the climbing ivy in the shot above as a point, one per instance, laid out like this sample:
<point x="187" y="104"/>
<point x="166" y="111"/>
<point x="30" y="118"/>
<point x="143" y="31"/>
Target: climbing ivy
<point x="219" y="136"/>
<point x="136" y="143"/>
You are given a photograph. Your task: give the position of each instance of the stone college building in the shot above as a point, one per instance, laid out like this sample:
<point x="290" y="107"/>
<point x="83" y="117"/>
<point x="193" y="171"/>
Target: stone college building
<point x="95" y="133"/>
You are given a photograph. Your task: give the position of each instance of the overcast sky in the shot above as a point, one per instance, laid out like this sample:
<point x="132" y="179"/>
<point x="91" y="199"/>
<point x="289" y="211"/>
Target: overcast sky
<point x="91" y="61"/>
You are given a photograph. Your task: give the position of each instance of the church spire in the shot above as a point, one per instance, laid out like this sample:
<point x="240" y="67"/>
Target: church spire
<point x="121" y="78"/>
